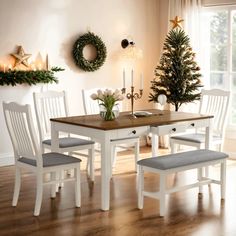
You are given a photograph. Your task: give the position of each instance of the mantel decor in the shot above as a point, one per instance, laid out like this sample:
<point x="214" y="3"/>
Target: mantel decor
<point x="101" y="51"/>
<point x="30" y="77"/>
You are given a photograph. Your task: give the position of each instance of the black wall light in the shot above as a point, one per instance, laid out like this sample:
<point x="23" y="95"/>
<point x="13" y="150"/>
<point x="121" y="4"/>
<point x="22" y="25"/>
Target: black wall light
<point x="125" y="43"/>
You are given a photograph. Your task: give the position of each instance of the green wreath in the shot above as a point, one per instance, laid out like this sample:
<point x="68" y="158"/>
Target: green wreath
<point x="81" y="42"/>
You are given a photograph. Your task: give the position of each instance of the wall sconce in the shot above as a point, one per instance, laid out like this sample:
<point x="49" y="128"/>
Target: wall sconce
<point x="125" y="43"/>
<point x="130" y="50"/>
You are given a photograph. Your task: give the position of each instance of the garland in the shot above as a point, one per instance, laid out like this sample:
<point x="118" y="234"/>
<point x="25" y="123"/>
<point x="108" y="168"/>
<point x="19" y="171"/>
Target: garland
<point x="30" y="77"/>
<point x="81" y="42"/>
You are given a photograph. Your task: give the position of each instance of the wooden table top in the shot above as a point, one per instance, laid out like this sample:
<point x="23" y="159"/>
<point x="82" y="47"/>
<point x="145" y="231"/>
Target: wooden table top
<point x="125" y="120"/>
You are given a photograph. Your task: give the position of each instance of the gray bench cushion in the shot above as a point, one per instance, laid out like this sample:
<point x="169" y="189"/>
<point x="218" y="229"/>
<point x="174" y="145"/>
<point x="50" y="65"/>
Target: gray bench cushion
<point x="52" y="159"/>
<point x="196" y="137"/>
<point x="69" y="142"/>
<point x="182" y="159"/>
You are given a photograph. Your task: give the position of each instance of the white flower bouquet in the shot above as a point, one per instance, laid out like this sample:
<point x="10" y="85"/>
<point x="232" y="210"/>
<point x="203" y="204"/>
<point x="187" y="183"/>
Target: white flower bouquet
<point x="108" y="99"/>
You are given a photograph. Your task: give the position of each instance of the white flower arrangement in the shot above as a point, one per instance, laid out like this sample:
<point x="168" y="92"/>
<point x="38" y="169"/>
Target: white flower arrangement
<point x="108" y="99"/>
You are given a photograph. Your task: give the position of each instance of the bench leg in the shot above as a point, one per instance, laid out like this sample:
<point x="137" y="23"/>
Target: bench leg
<point x="222" y="178"/>
<point x="162" y="192"/>
<point x="140" y="186"/>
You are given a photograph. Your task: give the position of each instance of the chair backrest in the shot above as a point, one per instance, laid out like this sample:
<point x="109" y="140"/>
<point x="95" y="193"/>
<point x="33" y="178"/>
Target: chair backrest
<point x="21" y="130"/>
<point x="49" y="104"/>
<point x="92" y="106"/>
<point x="215" y="102"/>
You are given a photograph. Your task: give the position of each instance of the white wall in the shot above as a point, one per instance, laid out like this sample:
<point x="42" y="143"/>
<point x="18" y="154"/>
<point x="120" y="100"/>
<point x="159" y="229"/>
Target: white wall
<point x="51" y="27"/>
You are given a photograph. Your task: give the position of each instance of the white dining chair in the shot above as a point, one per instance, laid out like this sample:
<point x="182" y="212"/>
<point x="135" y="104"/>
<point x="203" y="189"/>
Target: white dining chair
<point x="92" y="107"/>
<point x="52" y="104"/>
<point x="213" y="102"/>
<point x="28" y="155"/>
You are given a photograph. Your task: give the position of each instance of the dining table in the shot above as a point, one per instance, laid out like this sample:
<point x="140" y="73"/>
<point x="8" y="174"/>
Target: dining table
<point x="154" y="121"/>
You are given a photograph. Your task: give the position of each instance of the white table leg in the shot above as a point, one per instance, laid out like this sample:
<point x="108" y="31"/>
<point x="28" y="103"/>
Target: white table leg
<point x="154" y="145"/>
<point x="105" y="173"/>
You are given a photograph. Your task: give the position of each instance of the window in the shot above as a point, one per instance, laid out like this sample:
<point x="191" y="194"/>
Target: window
<point x="219" y="46"/>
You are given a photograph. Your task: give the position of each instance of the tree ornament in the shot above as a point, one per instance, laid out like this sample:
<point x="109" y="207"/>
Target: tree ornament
<point x="162" y="99"/>
<point x="21" y="57"/>
<point x="89" y="39"/>
<point x="176" y="22"/>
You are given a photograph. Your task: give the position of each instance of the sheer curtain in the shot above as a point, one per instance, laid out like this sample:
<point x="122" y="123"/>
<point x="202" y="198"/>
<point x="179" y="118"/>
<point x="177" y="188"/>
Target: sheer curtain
<point x="189" y="11"/>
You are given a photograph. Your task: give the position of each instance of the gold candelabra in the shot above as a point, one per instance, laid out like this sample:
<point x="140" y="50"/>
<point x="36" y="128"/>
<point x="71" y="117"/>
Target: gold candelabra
<point x="132" y="96"/>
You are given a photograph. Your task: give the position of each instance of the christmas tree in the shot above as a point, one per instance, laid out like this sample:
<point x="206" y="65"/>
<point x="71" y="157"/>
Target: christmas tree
<point x="177" y="75"/>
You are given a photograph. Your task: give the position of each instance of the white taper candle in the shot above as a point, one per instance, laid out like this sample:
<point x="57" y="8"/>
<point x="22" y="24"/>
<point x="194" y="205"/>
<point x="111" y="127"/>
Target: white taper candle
<point x="123" y="78"/>
<point x="132" y="77"/>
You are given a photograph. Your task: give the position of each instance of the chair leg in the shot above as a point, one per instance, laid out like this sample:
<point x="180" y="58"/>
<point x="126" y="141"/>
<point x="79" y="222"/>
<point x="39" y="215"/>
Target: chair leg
<point x="199" y="173"/>
<point x="77" y="187"/>
<point x="162" y="194"/>
<point x="71" y="171"/>
<point x="39" y="194"/>
<point x="223" y="178"/>
<point x="140" y="186"/>
<point x="91" y="163"/>
<point x="17" y="186"/>
<point x="60" y="175"/>
<point x="53" y="186"/>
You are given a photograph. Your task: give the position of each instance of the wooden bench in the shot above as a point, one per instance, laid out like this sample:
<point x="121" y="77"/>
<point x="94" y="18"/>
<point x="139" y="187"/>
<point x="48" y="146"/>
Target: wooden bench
<point x="177" y="162"/>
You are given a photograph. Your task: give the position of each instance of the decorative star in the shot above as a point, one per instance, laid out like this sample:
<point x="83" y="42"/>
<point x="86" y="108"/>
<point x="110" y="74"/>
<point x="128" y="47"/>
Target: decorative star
<point x="21" y="57"/>
<point x="176" y="22"/>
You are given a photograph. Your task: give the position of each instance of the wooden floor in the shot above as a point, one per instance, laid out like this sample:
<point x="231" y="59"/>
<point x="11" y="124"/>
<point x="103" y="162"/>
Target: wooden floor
<point x="186" y="213"/>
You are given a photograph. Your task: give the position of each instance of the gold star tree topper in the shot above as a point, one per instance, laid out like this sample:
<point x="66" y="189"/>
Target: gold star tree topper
<point x="176" y="22"/>
<point x="21" y="57"/>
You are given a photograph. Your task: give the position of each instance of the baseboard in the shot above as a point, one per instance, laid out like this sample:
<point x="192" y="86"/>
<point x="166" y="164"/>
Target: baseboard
<point x="7" y="159"/>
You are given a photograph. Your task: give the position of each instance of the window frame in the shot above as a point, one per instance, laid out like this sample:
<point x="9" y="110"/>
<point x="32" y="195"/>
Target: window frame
<point x="231" y="127"/>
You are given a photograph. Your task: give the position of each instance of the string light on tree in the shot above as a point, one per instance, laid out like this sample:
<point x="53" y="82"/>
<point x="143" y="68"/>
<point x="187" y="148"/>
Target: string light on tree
<point x="177" y="74"/>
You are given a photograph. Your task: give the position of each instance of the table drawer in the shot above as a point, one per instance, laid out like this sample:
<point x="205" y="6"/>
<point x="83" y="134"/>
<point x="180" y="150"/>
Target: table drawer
<point x="131" y="132"/>
<point x="198" y="123"/>
<point x="169" y="129"/>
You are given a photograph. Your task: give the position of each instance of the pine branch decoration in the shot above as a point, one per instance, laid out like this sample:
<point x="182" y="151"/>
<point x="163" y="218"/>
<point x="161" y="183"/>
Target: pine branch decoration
<point x="30" y="77"/>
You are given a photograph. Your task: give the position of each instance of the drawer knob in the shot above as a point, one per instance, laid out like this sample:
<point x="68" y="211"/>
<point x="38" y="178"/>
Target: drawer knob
<point x="192" y="124"/>
<point x="174" y="129"/>
<point x="134" y="131"/>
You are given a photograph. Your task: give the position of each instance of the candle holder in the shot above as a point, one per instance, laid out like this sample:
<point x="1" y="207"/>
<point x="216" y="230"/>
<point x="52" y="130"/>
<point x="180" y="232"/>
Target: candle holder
<point x="132" y="96"/>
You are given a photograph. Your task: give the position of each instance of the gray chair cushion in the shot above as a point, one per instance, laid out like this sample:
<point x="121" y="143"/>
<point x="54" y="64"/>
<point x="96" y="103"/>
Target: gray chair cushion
<point x="196" y="137"/>
<point x="52" y="159"/>
<point x="182" y="159"/>
<point x="69" y="142"/>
